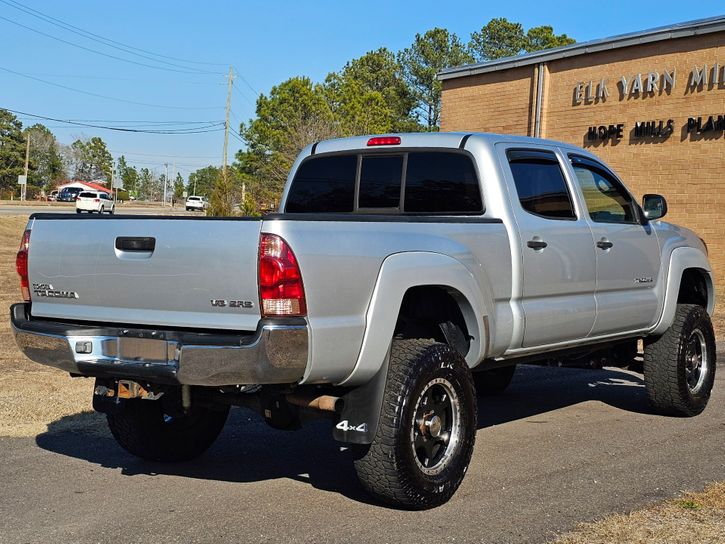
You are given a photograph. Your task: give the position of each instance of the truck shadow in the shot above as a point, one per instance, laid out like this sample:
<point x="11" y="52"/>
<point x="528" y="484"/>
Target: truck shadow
<point x="249" y="451"/>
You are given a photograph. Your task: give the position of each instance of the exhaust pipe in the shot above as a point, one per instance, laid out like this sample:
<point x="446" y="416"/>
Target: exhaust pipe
<point x="324" y="403"/>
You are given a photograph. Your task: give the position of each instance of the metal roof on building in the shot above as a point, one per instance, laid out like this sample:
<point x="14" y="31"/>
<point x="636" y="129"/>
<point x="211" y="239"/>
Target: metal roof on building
<point x="680" y="30"/>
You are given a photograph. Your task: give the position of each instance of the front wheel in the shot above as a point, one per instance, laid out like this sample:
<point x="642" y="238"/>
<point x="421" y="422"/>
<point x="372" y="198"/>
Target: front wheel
<point x="427" y="428"/>
<point x="144" y="429"/>
<point x="679" y="366"/>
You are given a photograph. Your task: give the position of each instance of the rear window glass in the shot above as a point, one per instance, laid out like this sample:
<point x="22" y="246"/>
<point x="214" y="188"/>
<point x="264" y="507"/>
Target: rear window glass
<point x="380" y="181"/>
<point x="441" y="182"/>
<point x="324" y="184"/>
<point x="87" y="195"/>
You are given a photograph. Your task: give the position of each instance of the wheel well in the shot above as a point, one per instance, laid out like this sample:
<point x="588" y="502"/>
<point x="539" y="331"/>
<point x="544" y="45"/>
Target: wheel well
<point x="434" y="311"/>
<point x="694" y="288"/>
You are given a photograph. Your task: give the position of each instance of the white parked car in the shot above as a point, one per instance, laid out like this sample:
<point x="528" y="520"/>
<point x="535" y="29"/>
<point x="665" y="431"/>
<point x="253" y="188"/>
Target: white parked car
<point x="95" y="201"/>
<point x="196" y="203"/>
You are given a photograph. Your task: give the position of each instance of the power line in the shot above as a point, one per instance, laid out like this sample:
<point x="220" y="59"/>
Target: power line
<point x="255" y="91"/>
<point x="241" y="140"/>
<point x="87" y="34"/>
<point x="169" y="156"/>
<point x="253" y="102"/>
<point x="186" y="70"/>
<point x="214" y="127"/>
<point x="104" y="96"/>
<point x="113" y="78"/>
<point x="143" y="123"/>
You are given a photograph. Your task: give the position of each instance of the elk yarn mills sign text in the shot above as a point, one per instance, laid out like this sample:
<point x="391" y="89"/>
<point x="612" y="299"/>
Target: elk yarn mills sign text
<point x="705" y="78"/>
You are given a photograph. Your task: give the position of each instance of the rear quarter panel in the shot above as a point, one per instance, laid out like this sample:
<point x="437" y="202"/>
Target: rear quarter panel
<point x="341" y="261"/>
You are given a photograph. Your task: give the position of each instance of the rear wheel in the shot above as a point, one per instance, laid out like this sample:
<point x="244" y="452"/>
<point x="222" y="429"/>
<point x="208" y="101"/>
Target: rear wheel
<point x="679" y="366"/>
<point x="78" y="211"/>
<point x="427" y="427"/>
<point x="100" y="211"/>
<point x="144" y="429"/>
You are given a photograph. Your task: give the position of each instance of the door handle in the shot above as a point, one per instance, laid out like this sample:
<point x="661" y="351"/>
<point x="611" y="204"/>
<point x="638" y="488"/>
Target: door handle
<point x="604" y="244"/>
<point x="136" y="243"/>
<point x="536" y="245"/>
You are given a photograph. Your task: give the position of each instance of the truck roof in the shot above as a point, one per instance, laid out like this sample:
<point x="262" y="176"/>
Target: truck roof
<point x="423" y="139"/>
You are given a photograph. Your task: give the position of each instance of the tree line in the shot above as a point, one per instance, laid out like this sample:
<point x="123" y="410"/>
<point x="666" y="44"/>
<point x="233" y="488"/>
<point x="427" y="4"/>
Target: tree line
<point x="379" y="92"/>
<point x="86" y="159"/>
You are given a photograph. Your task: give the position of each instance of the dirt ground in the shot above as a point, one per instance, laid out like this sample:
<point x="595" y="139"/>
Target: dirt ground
<point x="31" y="396"/>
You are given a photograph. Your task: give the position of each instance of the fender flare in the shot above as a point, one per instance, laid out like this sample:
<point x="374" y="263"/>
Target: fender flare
<point x="400" y="272"/>
<point x="681" y="259"/>
<point x="360" y="415"/>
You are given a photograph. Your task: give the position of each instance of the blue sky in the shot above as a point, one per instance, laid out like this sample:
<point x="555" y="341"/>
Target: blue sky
<point x="267" y="42"/>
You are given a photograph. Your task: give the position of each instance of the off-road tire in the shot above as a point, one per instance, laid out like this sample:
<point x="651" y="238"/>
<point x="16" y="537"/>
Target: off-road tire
<point x="144" y="430"/>
<point x="666" y="364"/>
<point x="494" y="381"/>
<point x="388" y="468"/>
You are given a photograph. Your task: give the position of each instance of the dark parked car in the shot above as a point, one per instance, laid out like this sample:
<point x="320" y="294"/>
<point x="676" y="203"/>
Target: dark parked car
<point x="69" y="194"/>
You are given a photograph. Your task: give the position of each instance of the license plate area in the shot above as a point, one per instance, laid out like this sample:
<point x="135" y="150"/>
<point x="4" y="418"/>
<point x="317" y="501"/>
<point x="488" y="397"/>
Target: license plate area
<point x="124" y="349"/>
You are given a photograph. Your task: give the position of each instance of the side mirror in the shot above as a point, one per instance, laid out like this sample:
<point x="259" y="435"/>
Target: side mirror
<point x="654" y="206"/>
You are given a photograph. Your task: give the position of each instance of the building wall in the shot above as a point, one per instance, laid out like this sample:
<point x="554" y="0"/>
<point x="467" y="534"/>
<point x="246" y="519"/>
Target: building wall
<point x="496" y="102"/>
<point x="688" y="170"/>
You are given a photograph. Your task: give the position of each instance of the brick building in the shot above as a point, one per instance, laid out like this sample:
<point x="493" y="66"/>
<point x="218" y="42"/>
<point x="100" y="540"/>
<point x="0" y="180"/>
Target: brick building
<point x="651" y="104"/>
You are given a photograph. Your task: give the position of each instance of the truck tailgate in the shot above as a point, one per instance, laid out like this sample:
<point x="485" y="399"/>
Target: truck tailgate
<point x="175" y="272"/>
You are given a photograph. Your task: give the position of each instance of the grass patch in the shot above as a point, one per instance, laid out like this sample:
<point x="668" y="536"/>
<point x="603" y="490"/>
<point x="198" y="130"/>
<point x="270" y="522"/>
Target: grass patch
<point x="695" y="518"/>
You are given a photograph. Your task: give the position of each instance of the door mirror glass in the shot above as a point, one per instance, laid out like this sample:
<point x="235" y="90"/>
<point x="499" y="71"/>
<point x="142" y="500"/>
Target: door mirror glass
<point x="654" y="206"/>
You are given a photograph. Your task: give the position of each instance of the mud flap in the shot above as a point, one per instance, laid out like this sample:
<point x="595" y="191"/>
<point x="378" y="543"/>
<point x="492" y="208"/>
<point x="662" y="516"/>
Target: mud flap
<point x="358" y="421"/>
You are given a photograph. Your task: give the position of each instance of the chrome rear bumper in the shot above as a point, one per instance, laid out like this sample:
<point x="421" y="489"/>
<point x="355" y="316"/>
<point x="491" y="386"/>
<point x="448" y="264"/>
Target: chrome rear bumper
<point x="275" y="354"/>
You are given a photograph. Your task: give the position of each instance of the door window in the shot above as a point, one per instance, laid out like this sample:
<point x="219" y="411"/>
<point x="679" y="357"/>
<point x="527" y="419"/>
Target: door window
<point x="540" y="184"/>
<point x="605" y="196"/>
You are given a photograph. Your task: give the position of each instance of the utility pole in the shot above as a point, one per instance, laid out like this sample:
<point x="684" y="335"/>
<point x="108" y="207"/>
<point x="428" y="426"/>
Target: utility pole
<point x="24" y="186"/>
<point x="166" y="181"/>
<point x="226" y="122"/>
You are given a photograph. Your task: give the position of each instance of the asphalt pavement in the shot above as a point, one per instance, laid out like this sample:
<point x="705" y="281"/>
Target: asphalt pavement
<point x="559" y="447"/>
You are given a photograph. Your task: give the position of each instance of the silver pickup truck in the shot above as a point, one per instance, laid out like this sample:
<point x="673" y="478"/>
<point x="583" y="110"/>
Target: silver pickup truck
<point x="403" y="275"/>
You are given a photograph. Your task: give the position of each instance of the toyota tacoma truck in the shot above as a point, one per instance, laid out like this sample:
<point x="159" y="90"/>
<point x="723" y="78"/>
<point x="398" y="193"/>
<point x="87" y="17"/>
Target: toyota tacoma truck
<point x="402" y="274"/>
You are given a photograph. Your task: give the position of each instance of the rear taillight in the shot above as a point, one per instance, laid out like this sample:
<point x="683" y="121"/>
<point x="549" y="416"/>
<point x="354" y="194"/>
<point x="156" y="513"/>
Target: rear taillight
<point x="97" y="200"/>
<point x="281" y="292"/>
<point x="21" y="265"/>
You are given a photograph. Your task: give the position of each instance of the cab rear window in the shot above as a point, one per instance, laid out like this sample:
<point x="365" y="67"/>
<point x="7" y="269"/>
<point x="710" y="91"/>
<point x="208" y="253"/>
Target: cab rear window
<point x="434" y="182"/>
<point x="324" y="184"/>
